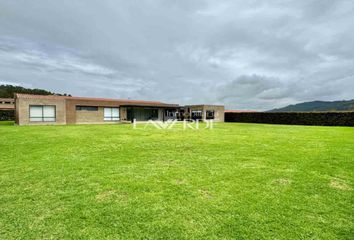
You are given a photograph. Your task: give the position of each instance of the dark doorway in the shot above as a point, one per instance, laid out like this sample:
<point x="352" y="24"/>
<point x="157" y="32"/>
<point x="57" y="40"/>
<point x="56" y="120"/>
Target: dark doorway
<point x="142" y="114"/>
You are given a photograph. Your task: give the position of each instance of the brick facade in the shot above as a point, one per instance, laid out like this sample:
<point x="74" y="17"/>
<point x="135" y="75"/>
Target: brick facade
<point x="218" y="111"/>
<point x="23" y="105"/>
<point x="66" y="111"/>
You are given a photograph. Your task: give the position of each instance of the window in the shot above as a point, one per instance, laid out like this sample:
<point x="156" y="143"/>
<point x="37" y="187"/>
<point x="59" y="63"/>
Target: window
<point x="210" y="114"/>
<point x="111" y="114"/>
<point x="42" y="113"/>
<point x="86" y="108"/>
<point x="170" y="113"/>
<point x="197" y="114"/>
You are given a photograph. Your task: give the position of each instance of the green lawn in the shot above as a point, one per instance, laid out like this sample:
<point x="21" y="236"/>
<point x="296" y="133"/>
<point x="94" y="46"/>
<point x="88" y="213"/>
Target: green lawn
<point x="243" y="181"/>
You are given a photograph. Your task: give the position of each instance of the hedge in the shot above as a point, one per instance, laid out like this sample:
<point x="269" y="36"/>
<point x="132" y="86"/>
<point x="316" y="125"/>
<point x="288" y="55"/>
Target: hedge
<point x="293" y="118"/>
<point x="7" y="115"/>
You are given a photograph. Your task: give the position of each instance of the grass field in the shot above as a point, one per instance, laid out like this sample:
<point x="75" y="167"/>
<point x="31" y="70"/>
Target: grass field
<point x="243" y="181"/>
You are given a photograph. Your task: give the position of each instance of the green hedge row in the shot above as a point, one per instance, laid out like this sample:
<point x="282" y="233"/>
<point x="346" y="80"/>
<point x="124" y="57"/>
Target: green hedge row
<point x="6" y="115"/>
<point x="294" y="118"/>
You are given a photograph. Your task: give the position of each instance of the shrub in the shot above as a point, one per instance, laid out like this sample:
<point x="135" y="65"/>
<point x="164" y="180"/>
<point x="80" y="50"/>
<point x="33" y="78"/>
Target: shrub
<point x="293" y="118"/>
<point x="6" y="115"/>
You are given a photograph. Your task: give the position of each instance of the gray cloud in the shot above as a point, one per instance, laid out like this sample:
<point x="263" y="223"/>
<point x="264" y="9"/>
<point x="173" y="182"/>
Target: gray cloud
<point x="45" y="59"/>
<point x="244" y="54"/>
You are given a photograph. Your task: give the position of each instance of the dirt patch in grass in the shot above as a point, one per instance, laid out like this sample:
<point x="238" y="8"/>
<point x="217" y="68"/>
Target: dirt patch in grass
<point x="340" y="184"/>
<point x="282" y="181"/>
<point x="111" y="196"/>
<point x="251" y="165"/>
<point x="205" y="194"/>
<point x="180" y="181"/>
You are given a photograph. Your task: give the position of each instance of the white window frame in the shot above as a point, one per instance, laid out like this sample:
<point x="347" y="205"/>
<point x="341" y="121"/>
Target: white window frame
<point x="42" y="117"/>
<point x="197" y="113"/>
<point x="108" y="114"/>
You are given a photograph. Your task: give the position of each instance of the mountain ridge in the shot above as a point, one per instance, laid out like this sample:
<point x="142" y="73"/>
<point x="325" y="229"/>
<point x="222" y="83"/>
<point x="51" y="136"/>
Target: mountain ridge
<point x="318" y="106"/>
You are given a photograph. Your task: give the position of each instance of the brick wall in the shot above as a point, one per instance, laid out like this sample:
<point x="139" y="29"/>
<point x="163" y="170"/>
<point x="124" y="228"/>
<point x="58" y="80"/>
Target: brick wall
<point x="74" y="116"/>
<point x="97" y="117"/>
<point x="22" y="110"/>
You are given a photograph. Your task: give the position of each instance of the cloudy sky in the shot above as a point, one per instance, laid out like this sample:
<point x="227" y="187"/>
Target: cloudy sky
<point x="244" y="54"/>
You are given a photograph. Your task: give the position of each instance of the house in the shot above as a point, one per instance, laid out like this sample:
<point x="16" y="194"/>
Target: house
<point x="7" y="104"/>
<point x="205" y="112"/>
<point x="53" y="109"/>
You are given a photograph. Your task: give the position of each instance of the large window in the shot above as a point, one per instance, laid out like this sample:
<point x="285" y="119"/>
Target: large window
<point x="42" y="113"/>
<point x="170" y="113"/>
<point x="111" y="114"/>
<point x="86" y="108"/>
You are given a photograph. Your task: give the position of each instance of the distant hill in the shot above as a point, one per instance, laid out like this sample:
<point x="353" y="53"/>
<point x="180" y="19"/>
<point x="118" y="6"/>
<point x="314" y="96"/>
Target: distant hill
<point x="318" y="106"/>
<point x="8" y="91"/>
